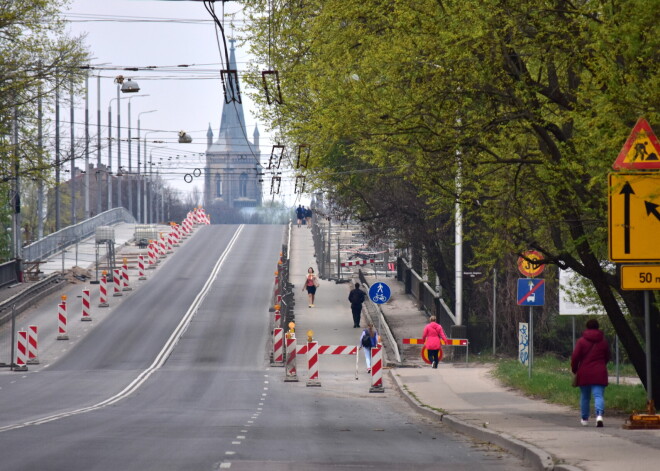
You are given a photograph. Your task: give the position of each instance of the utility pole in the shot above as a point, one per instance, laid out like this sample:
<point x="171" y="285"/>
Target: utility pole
<point x="119" y="172"/>
<point x="58" y="224"/>
<point x="40" y="182"/>
<point x="18" y="236"/>
<point x="87" y="215"/>
<point x="130" y="178"/>
<point x="72" y="182"/>
<point x="99" y="189"/>
<point x="109" y="156"/>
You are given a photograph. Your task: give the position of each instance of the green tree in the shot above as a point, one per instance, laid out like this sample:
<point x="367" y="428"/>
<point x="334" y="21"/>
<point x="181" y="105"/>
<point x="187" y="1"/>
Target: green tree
<point x="514" y="108"/>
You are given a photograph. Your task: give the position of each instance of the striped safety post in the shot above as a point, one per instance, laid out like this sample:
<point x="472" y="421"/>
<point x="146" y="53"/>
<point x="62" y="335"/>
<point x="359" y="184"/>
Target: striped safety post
<point x="85" y="306"/>
<point x="116" y="281"/>
<point x="21" y="351"/>
<point x="278" y="347"/>
<point x="278" y="317"/>
<point x="291" y="346"/>
<point x="313" y="364"/>
<point x="141" y="275"/>
<point x="161" y="247"/>
<point x="376" y="370"/>
<point x="103" y="291"/>
<point x="151" y="254"/>
<point x="176" y="235"/>
<point x="61" y="322"/>
<point x="33" y="345"/>
<point x="124" y="277"/>
<point x="169" y="243"/>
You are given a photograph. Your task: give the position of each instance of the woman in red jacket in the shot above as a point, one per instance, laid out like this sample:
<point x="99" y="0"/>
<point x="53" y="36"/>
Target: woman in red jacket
<point x="433" y="332"/>
<point x="589" y="363"/>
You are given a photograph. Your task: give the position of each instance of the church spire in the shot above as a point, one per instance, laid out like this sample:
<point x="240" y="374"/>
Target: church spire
<point x="233" y="133"/>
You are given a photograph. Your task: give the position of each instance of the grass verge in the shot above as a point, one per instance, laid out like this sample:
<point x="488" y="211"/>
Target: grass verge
<point x="551" y="380"/>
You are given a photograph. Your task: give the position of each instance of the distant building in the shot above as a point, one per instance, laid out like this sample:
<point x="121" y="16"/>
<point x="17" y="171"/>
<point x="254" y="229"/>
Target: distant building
<point x="232" y="161"/>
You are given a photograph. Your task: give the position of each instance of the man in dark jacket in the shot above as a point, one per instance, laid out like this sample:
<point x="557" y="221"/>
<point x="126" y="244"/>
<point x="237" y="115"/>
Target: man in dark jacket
<point x="589" y="364"/>
<point x="356" y="298"/>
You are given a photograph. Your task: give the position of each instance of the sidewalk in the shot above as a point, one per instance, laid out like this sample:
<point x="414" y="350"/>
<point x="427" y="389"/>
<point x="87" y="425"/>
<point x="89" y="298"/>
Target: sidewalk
<point x="465" y="397"/>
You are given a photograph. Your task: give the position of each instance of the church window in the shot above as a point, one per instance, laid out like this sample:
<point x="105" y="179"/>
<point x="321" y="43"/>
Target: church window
<point x="218" y="186"/>
<point x="242" y="185"/>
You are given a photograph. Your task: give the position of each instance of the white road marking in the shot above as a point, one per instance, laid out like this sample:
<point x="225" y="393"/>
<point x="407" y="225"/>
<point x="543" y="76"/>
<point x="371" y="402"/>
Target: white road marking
<point x="160" y="359"/>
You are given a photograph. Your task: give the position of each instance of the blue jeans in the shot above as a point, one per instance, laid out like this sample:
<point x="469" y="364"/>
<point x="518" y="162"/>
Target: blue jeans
<point x="585" y="398"/>
<point x="367" y="356"/>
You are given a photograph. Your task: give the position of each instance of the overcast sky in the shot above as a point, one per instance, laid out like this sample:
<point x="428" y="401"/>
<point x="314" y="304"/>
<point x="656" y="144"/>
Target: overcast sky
<point x="142" y="33"/>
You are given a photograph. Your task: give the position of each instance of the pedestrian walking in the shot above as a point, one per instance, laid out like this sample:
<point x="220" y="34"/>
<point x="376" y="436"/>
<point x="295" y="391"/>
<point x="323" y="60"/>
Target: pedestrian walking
<point x="304" y="213"/>
<point x="308" y="217"/>
<point x="433" y="332"/>
<point x="589" y="364"/>
<point x="356" y="297"/>
<point x="368" y="340"/>
<point x="300" y="214"/>
<point x="311" y="283"/>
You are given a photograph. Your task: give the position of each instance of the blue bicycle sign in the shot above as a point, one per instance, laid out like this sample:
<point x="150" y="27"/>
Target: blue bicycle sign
<point x="379" y="293"/>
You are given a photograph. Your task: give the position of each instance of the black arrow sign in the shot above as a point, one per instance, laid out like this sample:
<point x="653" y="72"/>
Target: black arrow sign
<point x="626" y="191"/>
<point x="652" y="208"/>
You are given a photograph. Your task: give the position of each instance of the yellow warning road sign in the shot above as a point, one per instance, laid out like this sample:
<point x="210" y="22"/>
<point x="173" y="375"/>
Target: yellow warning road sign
<point x="634" y="217"/>
<point x="640" y="277"/>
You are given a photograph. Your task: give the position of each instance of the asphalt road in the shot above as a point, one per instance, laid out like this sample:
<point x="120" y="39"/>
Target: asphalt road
<point x="162" y="386"/>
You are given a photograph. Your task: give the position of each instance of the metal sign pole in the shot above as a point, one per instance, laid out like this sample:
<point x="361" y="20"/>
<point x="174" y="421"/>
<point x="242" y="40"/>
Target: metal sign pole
<point x="530" y="342"/>
<point x="647" y="340"/>
<point x="13" y="335"/>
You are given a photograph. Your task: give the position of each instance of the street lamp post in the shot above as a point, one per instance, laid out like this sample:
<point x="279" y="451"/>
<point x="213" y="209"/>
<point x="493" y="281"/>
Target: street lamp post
<point x="127" y="86"/>
<point x="141" y="215"/>
<point x="130" y="164"/>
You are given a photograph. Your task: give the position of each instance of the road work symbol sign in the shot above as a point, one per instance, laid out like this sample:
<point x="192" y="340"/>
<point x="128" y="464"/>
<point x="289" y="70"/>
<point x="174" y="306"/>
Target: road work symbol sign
<point x="641" y="150"/>
<point x="379" y="293"/>
<point x="531" y="292"/>
<point x="634" y="217"/>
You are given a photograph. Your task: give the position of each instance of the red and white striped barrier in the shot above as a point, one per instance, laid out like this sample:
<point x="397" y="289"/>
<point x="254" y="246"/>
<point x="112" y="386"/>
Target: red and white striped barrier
<point x="61" y="322"/>
<point x="103" y="292"/>
<point x="278" y="347"/>
<point x="313" y="364"/>
<point x="116" y="278"/>
<point x="124" y="276"/>
<point x="176" y="235"/>
<point x="85" y="306"/>
<point x="361" y="262"/>
<point x="161" y="247"/>
<point x="151" y="253"/>
<point x="21" y="351"/>
<point x="376" y="370"/>
<point x="278" y="317"/>
<point x="141" y="275"/>
<point x="169" y="242"/>
<point x="291" y="374"/>
<point x="330" y="350"/>
<point x="32" y="343"/>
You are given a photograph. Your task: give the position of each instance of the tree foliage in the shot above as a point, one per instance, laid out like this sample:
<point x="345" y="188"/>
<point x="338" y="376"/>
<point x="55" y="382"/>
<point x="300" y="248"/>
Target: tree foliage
<point x="514" y="108"/>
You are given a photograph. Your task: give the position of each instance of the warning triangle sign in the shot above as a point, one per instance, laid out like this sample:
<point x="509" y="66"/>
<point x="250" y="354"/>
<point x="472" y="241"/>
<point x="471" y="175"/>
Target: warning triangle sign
<point x="641" y="150"/>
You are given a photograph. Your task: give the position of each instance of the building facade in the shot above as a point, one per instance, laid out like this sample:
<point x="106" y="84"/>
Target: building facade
<point x="232" y="179"/>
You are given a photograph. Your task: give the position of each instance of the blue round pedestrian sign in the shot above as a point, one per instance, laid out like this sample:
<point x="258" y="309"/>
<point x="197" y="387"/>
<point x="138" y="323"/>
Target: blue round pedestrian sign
<point x="379" y="293"/>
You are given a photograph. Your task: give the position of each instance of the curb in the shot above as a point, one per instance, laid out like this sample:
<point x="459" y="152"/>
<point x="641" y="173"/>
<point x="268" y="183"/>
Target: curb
<point x="530" y="454"/>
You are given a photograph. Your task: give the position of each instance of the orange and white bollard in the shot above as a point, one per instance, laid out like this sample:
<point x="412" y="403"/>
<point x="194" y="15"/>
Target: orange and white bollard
<point x="278" y="347"/>
<point x="85" y="305"/>
<point x="32" y="345"/>
<point x="141" y="275"/>
<point x="116" y="278"/>
<point x="21" y="351"/>
<point x="61" y="322"/>
<point x="377" y="370"/>
<point x="313" y="364"/>
<point x="124" y="276"/>
<point x="103" y="291"/>
<point x="291" y="346"/>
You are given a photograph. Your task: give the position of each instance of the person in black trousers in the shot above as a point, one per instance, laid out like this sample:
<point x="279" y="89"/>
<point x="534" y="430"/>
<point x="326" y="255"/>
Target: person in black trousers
<point x="356" y="298"/>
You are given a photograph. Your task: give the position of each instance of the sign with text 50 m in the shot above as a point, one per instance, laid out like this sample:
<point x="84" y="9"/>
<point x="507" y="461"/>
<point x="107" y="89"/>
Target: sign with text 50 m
<point x="634" y="217"/>
<point x="640" y="277"/>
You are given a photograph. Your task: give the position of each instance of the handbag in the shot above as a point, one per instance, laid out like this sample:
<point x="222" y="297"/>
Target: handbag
<point x="316" y="282"/>
<point x="574" y="382"/>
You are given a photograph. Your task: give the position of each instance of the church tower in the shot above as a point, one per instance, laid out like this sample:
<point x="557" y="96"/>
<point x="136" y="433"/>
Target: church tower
<point x="232" y="161"/>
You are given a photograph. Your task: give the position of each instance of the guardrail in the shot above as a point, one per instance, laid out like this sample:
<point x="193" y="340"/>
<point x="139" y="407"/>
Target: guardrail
<point x="63" y="238"/>
<point x="29" y="296"/>
<point x="428" y="298"/>
<point x="8" y="273"/>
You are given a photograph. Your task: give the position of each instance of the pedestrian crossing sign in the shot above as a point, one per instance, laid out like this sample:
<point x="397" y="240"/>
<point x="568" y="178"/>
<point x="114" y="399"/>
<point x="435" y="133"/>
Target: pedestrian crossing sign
<point x="641" y="150"/>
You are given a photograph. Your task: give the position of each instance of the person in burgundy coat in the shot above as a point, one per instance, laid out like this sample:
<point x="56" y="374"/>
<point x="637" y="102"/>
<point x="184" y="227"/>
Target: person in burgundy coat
<point x="589" y="364"/>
